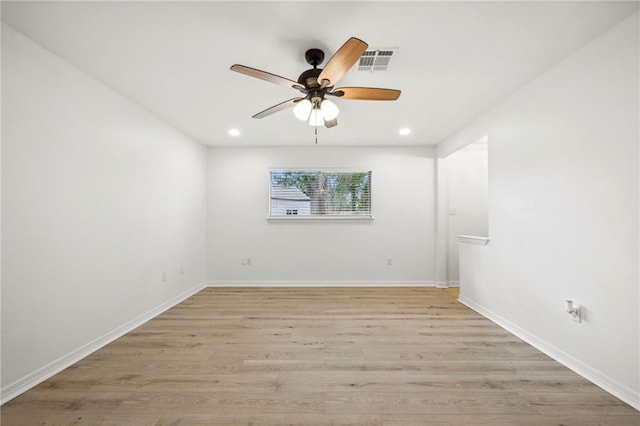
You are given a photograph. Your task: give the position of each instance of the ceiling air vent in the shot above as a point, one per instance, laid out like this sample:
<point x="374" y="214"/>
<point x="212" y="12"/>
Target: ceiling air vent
<point x="376" y="59"/>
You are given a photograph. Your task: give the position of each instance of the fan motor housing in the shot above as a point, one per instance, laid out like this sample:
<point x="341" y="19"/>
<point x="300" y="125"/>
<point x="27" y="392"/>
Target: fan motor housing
<point x="309" y="78"/>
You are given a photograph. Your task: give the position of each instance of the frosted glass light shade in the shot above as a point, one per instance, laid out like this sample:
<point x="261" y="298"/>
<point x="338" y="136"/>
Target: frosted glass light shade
<point x="329" y="110"/>
<point x="316" y="118"/>
<point x="302" y="109"/>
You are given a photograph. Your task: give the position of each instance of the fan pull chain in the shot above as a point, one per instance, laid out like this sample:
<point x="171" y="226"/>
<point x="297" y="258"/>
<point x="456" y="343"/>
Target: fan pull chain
<point x="316" y="132"/>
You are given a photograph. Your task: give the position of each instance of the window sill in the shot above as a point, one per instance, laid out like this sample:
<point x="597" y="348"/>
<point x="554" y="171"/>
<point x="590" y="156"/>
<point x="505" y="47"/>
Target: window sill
<point x="294" y="218"/>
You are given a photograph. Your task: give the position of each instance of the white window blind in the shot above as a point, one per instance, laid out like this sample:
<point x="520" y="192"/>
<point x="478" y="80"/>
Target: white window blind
<point x="320" y="194"/>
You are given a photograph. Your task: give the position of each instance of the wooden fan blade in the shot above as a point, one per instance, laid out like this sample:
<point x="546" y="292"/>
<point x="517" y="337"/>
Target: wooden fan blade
<point x="266" y="76"/>
<point x="330" y="123"/>
<point x="367" y="93"/>
<point x="342" y="61"/>
<point x="276" y="108"/>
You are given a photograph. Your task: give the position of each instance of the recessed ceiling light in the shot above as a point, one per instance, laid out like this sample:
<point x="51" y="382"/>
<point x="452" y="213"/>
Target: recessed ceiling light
<point x="234" y="132"/>
<point x="404" y="131"/>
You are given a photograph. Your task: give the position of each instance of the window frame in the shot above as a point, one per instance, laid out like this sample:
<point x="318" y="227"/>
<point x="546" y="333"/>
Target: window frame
<point x="333" y="218"/>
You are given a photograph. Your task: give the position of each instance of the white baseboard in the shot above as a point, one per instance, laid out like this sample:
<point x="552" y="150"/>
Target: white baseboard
<point x="447" y="284"/>
<point x="32" y="379"/>
<point x="320" y="283"/>
<point x="608" y="384"/>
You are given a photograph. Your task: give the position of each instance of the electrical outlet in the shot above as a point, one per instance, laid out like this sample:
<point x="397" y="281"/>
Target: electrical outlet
<point x="577" y="314"/>
<point x="573" y="310"/>
<point x="389" y="261"/>
<point x="164" y="277"/>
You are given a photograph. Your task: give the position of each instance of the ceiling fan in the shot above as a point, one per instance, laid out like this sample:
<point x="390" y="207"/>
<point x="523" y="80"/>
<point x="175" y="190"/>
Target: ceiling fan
<point x="316" y="84"/>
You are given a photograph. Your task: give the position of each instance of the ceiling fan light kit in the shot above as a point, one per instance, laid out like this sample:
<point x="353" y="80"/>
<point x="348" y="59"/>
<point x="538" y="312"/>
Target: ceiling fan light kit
<point x="318" y="83"/>
<point x="329" y="109"/>
<point x="302" y="110"/>
<point x="316" y="112"/>
<point x="316" y="119"/>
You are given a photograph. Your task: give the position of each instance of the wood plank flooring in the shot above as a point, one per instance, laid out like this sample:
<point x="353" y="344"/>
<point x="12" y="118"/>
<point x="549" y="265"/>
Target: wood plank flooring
<point x="318" y="356"/>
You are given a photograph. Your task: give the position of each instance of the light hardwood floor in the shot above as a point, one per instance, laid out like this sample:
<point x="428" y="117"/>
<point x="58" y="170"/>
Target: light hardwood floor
<point x="318" y="356"/>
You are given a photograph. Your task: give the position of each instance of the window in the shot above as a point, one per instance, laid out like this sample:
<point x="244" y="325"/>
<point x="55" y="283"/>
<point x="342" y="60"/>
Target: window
<point x="320" y="194"/>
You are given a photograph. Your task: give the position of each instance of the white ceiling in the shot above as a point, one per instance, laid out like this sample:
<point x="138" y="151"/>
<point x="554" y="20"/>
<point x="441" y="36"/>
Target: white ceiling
<point x="456" y="59"/>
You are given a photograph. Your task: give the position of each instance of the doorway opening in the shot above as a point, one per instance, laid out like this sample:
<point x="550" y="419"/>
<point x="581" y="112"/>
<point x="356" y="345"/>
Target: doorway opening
<point x="467" y="201"/>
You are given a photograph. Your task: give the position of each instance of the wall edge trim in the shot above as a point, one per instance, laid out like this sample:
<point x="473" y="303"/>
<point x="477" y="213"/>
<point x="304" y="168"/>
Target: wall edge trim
<point x="594" y="376"/>
<point x="38" y="376"/>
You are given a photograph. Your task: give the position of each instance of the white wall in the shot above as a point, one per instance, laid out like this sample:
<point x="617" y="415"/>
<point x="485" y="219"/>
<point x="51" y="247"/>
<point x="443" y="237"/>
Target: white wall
<point x="313" y="252"/>
<point x="99" y="198"/>
<point x="467" y="199"/>
<point x="563" y="212"/>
